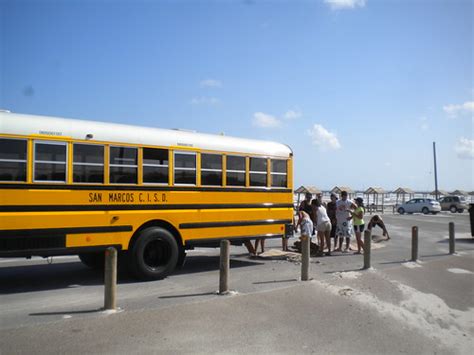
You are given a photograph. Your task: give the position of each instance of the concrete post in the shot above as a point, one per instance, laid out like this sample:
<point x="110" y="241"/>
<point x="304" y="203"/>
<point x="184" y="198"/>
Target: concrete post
<point x="224" y="265"/>
<point x="367" y="248"/>
<point x="414" y="243"/>
<point x="110" y="279"/>
<point x="305" y="249"/>
<point x="451" y="238"/>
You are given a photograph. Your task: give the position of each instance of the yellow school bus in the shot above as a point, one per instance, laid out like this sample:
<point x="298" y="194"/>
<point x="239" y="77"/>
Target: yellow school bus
<point x="71" y="186"/>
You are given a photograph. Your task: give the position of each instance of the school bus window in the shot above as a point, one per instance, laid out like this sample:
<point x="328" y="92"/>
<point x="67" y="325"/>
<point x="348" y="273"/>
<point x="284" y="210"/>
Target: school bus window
<point x="258" y="172"/>
<point x="211" y="170"/>
<point x="279" y="173"/>
<point x="235" y="172"/>
<point x="50" y="161"/>
<point x="123" y="165"/>
<point x="12" y="160"/>
<point x="88" y="163"/>
<point x="185" y="168"/>
<point x="155" y="166"/>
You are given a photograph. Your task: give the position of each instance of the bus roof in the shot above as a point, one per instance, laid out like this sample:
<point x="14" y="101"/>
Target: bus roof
<point x="21" y="124"/>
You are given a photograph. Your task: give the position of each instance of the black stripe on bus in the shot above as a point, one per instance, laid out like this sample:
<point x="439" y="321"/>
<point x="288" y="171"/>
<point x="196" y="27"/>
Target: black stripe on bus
<point x="261" y="222"/>
<point x="14" y="233"/>
<point x="139" y="188"/>
<point x="53" y="208"/>
<point x="196" y="242"/>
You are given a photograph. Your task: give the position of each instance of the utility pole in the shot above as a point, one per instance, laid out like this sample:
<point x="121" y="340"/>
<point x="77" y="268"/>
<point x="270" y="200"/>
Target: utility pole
<point x="435" y="171"/>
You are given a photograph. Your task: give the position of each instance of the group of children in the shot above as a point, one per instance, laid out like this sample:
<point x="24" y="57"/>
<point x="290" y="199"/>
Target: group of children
<point x="339" y="219"/>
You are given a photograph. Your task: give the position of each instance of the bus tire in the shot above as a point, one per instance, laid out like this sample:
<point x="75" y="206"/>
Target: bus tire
<point x="95" y="261"/>
<point x="154" y="254"/>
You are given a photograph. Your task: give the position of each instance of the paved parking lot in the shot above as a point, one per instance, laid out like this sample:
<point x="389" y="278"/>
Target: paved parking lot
<point x="67" y="295"/>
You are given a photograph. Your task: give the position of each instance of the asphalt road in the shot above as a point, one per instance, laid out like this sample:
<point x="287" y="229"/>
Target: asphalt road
<point x="398" y="306"/>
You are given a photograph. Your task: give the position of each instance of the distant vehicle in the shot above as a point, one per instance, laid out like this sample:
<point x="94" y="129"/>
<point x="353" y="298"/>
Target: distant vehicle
<point x="453" y="204"/>
<point x="420" y="205"/>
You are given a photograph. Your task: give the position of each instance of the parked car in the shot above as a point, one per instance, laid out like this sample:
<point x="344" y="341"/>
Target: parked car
<point x="423" y="205"/>
<point x="453" y="204"/>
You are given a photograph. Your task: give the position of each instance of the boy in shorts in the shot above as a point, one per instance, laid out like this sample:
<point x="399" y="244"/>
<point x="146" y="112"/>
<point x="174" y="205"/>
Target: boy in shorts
<point x="344" y="228"/>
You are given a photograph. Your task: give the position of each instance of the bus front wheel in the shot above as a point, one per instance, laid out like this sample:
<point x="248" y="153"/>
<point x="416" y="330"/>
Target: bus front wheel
<point x="154" y="254"/>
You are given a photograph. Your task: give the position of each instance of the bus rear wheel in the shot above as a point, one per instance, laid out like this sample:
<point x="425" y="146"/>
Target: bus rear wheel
<point x="95" y="261"/>
<point x="154" y="254"/>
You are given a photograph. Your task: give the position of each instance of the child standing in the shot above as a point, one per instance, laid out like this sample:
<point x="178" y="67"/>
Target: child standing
<point x="358" y="221"/>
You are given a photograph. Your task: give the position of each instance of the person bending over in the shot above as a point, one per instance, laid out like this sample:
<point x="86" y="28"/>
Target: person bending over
<point x="376" y="220"/>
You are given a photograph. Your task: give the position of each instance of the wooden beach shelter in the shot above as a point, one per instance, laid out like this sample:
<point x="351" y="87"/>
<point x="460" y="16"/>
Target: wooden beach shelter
<point x="460" y="193"/>
<point x="374" y="192"/>
<point x="403" y="191"/>
<point x="339" y="189"/>
<point x="304" y="189"/>
<point x="440" y="193"/>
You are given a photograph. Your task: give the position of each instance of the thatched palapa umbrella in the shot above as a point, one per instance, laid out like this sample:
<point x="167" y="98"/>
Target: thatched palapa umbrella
<point x="374" y="192"/>
<point x="339" y="189"/>
<point x="403" y="191"/>
<point x="305" y="189"/>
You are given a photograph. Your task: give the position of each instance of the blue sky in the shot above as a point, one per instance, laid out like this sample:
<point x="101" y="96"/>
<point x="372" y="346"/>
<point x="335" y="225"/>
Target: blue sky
<point x="358" y="88"/>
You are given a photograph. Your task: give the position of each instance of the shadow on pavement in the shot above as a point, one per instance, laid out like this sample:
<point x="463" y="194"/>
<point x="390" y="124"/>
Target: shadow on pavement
<point x="458" y="240"/>
<point x="195" y="264"/>
<point x="274" y="281"/>
<point x="394" y="262"/>
<point x="63" y="275"/>
<point x="345" y="270"/>
<point x="28" y="278"/>
<point x="66" y="312"/>
<point x="190" y="295"/>
<point x="434" y="255"/>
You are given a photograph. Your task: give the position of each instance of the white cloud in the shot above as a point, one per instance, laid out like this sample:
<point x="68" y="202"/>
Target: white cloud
<point x="465" y="148"/>
<point x="344" y="4"/>
<point x="203" y="100"/>
<point x="454" y="110"/>
<point x="424" y="124"/>
<point x="292" y="114"/>
<point x="323" y="138"/>
<point x="264" y="120"/>
<point x="211" y="83"/>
